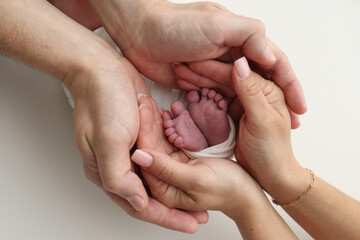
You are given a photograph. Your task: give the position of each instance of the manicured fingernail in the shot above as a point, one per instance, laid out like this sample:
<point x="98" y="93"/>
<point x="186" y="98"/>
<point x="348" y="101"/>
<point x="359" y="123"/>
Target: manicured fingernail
<point x="142" y="158"/>
<point x="270" y="55"/>
<point x="136" y="202"/>
<point x="242" y="68"/>
<point x="140" y="95"/>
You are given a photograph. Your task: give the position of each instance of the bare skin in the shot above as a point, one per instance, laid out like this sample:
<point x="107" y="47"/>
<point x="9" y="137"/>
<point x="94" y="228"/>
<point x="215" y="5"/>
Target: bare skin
<point x="205" y="124"/>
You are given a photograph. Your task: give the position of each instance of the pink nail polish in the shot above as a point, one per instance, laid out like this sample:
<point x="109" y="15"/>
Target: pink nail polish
<point x="142" y="158"/>
<point x="242" y="68"/>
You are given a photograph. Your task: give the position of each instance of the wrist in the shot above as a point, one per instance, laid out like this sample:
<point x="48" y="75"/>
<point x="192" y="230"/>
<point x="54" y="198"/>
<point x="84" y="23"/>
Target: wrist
<point x="124" y="19"/>
<point x="245" y="202"/>
<point x="289" y="185"/>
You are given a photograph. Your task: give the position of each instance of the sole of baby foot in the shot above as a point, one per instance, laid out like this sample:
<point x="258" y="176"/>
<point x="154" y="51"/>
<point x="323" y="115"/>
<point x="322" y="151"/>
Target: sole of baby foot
<point x="209" y="113"/>
<point x="181" y="130"/>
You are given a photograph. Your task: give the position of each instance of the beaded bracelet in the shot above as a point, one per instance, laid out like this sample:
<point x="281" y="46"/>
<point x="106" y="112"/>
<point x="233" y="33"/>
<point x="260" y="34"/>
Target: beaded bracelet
<point x="292" y="203"/>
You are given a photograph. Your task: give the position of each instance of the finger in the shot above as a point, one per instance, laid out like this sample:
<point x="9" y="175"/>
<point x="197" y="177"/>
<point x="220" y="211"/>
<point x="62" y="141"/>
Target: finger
<point x="201" y="80"/>
<point x="169" y="178"/>
<point x="183" y="84"/>
<point x="295" y="119"/>
<point x="283" y="74"/>
<point x="249" y="91"/>
<point x="202" y="217"/>
<point x="151" y="131"/>
<point x="250" y="34"/>
<point x="161" y="215"/>
<point x="215" y="70"/>
<point x="115" y="168"/>
<point x="164" y="168"/>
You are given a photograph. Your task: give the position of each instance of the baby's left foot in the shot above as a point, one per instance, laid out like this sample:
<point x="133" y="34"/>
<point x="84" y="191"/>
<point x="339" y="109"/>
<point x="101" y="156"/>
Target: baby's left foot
<point x="181" y="130"/>
<point x="210" y="114"/>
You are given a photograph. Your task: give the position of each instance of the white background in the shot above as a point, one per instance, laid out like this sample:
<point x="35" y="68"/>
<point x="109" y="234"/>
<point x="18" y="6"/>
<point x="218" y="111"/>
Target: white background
<point x="44" y="194"/>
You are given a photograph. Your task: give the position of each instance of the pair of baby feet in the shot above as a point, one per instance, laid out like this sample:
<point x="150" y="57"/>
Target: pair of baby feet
<point x="205" y="124"/>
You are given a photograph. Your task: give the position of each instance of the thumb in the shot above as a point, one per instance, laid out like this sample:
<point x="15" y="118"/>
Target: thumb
<point x="249" y="91"/>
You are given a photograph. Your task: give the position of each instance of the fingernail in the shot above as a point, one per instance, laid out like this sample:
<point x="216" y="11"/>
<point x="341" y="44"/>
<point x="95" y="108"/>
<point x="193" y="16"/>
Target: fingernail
<point x="142" y="106"/>
<point x="142" y="158"/>
<point x="270" y="55"/>
<point x="140" y="95"/>
<point x="136" y="202"/>
<point x="242" y="68"/>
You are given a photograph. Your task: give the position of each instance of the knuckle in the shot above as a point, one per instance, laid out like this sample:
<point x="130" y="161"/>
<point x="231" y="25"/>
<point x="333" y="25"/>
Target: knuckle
<point x="165" y="173"/>
<point x="252" y="89"/>
<point x="211" y="6"/>
<point x="111" y="185"/>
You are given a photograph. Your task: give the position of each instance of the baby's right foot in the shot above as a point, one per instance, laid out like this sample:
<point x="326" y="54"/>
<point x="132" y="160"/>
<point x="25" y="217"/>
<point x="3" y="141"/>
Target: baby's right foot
<point x="181" y="130"/>
<point x="210" y="114"/>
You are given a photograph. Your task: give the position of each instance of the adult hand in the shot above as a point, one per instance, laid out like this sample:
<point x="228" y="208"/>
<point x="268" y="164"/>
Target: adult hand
<point x="104" y="87"/>
<point x="106" y="128"/>
<point x="264" y="144"/>
<point x="155" y="34"/>
<point x="202" y="184"/>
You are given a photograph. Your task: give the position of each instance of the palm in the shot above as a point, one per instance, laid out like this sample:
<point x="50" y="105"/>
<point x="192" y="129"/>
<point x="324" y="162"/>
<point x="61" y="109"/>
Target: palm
<point x="182" y="34"/>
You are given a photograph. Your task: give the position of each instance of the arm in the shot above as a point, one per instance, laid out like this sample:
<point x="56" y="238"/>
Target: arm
<point x="104" y="86"/>
<point x="325" y="212"/>
<point x="265" y="151"/>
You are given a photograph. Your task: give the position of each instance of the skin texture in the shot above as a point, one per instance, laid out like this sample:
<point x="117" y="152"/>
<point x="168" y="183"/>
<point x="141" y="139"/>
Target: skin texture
<point x="264" y="150"/>
<point x="95" y="75"/>
<point x="201" y="184"/>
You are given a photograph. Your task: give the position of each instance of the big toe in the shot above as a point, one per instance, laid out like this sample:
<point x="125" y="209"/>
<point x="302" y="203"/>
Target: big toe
<point x="177" y="108"/>
<point x="193" y="97"/>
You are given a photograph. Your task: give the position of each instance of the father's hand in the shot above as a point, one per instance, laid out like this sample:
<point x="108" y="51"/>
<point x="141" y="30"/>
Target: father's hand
<point x="153" y="34"/>
<point x="106" y="128"/>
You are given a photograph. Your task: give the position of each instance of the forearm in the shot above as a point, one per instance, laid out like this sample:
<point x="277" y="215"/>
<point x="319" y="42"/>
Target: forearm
<point x="38" y="34"/>
<point x="325" y="212"/>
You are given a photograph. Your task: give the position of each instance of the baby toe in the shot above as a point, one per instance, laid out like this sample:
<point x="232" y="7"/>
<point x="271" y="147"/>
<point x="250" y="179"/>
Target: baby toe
<point x="179" y="142"/>
<point x="222" y="104"/>
<point x="218" y="97"/>
<point x="193" y="97"/>
<point x="177" y="108"/>
<point x="211" y="94"/>
<point x="173" y="137"/>
<point x="168" y="123"/>
<point x="169" y="131"/>
<point x="204" y="93"/>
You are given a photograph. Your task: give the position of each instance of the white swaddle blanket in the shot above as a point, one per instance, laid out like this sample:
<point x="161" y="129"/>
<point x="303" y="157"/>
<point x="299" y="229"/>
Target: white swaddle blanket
<point x="164" y="96"/>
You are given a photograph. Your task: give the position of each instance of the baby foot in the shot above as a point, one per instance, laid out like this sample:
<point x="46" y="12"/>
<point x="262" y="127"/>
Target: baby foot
<point x="181" y="130"/>
<point x="209" y="114"/>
